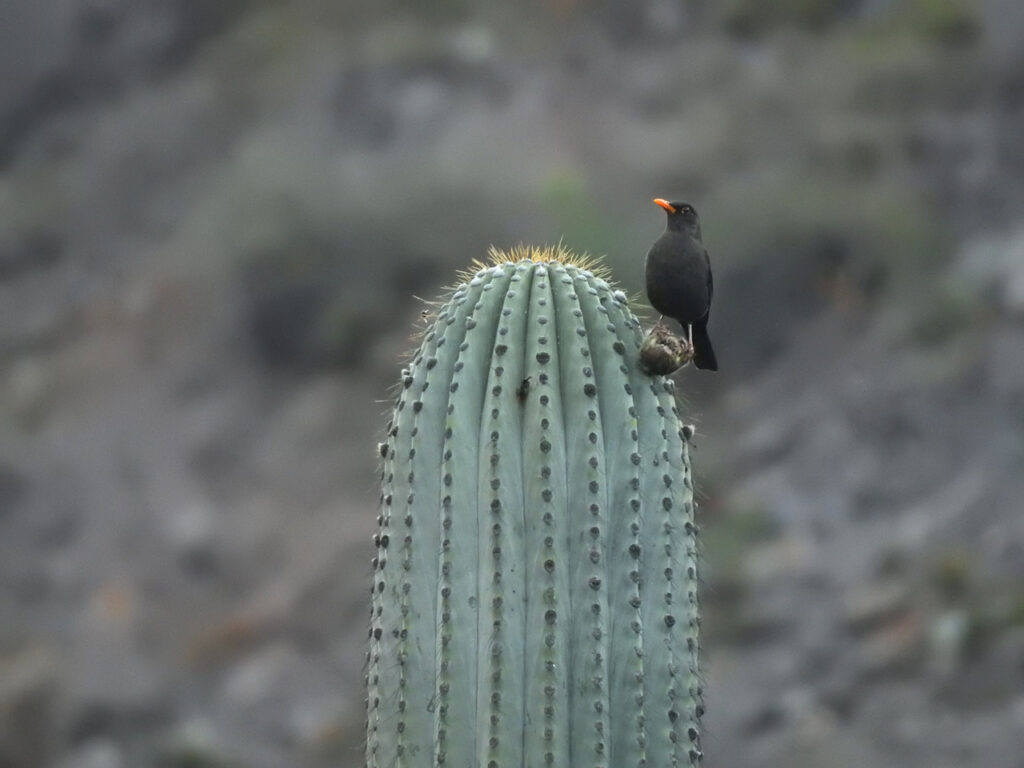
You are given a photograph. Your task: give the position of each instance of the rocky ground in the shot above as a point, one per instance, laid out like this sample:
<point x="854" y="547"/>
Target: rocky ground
<point x="207" y="208"/>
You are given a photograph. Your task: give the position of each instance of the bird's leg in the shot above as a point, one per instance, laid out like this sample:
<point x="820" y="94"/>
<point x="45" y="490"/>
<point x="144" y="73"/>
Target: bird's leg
<point x="689" y="334"/>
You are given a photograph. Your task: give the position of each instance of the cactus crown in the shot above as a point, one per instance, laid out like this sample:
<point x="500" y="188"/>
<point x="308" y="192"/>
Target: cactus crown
<point x="540" y="254"/>
<point x="534" y="598"/>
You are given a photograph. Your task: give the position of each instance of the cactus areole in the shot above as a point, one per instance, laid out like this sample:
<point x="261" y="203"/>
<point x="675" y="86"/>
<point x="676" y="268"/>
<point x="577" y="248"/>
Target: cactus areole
<point x="534" y="587"/>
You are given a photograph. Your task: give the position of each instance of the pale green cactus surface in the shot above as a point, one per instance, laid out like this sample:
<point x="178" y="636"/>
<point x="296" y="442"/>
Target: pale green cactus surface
<point x="535" y="587"/>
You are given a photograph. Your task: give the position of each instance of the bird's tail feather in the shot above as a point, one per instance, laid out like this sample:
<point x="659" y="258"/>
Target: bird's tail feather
<point x="703" y="353"/>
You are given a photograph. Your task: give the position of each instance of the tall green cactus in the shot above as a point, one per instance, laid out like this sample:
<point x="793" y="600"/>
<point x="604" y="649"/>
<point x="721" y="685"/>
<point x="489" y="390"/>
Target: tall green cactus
<point x="535" y="588"/>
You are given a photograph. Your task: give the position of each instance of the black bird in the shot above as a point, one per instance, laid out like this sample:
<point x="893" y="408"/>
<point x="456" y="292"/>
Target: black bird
<point x="679" y="280"/>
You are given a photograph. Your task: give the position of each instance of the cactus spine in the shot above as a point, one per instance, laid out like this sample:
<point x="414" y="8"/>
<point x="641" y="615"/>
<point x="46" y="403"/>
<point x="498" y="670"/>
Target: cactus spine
<point x="534" y="599"/>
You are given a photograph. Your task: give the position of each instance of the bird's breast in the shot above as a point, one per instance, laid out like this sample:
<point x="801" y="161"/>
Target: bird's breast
<point x="677" y="277"/>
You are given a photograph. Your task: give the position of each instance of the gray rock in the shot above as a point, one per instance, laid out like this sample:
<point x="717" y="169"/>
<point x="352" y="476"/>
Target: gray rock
<point x="13" y="487"/>
<point x="113" y="685"/>
<point x="196" y="742"/>
<point x="28" y="700"/>
<point x="947" y="638"/>
<point x="988" y="679"/>
<point x="868" y="607"/>
<point x="257" y="679"/>
<point x="896" y="648"/>
<point x="189" y="529"/>
<point x="96" y="753"/>
<point x="996" y="262"/>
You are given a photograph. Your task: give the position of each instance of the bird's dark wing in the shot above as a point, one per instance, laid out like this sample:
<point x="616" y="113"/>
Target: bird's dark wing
<point x="711" y="281"/>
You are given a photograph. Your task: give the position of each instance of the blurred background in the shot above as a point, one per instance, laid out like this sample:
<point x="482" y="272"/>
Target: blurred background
<point x="214" y="218"/>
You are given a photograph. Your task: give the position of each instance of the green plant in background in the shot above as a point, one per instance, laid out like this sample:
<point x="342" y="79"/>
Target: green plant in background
<point x="749" y="18"/>
<point x="535" y="588"/>
<point x="952" y="308"/>
<point x="566" y="198"/>
<point x="948" y="22"/>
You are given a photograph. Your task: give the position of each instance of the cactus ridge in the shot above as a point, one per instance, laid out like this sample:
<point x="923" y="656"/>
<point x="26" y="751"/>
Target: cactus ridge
<point x="501" y="695"/>
<point x="534" y="598"/>
<point x="462" y="502"/>
<point x="670" y="492"/>
<point x="587" y="507"/>
<point x="399" y="474"/>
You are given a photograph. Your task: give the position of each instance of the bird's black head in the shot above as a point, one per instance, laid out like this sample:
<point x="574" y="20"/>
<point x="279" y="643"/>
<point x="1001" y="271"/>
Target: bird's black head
<point x="682" y="217"/>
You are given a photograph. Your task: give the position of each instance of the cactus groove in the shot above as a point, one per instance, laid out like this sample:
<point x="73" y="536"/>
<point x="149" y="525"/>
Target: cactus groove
<point x="534" y="596"/>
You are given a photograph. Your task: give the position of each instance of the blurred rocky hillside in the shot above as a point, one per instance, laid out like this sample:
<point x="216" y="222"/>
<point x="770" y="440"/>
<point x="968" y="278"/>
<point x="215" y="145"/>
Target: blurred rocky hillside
<point x="215" y="216"/>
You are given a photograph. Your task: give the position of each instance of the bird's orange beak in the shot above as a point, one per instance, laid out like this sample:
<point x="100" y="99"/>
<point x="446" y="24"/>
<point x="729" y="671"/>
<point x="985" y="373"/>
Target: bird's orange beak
<point x="664" y="204"/>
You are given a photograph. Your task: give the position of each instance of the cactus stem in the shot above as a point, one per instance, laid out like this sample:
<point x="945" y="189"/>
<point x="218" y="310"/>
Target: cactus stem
<point x="533" y="598"/>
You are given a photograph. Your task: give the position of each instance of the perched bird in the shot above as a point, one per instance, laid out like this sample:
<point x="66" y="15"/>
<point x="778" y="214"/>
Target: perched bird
<point x="679" y="279"/>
